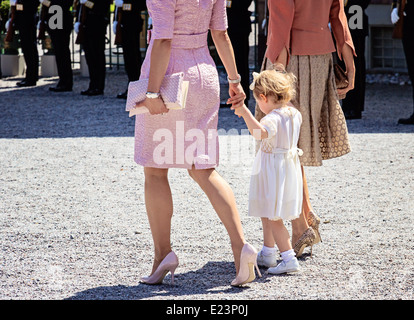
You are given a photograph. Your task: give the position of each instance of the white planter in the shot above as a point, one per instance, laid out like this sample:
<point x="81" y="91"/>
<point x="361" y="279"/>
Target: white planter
<point x="116" y="58"/>
<point x="12" y="65"/>
<point x="48" y="66"/>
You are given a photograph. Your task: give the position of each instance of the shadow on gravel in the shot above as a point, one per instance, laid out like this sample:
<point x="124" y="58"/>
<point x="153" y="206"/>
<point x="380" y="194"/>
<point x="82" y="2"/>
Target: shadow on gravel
<point x="214" y="277"/>
<point x="37" y="113"/>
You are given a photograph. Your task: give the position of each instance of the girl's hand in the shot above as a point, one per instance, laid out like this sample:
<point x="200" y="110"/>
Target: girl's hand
<point x="155" y="106"/>
<point x="240" y="111"/>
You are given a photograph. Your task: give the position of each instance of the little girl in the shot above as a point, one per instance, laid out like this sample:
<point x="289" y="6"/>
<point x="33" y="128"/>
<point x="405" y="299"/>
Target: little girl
<point x="276" y="188"/>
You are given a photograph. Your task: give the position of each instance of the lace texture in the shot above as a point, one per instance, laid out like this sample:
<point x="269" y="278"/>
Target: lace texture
<point x="323" y="134"/>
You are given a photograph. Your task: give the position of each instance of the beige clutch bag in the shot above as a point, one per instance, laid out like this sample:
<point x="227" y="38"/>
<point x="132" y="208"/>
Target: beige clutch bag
<point x="173" y="92"/>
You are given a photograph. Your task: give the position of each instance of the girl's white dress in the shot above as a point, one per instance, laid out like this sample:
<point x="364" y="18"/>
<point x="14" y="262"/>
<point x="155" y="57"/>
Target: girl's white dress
<point x="276" y="186"/>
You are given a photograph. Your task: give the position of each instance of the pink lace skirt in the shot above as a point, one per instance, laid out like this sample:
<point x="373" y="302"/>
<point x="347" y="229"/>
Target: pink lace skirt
<point x="183" y="138"/>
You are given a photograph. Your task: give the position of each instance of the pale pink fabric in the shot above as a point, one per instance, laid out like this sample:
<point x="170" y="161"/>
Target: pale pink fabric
<point x="182" y="138"/>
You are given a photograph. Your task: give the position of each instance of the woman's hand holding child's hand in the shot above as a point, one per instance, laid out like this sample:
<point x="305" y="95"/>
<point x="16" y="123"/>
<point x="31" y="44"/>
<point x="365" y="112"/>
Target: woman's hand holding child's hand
<point x="237" y="94"/>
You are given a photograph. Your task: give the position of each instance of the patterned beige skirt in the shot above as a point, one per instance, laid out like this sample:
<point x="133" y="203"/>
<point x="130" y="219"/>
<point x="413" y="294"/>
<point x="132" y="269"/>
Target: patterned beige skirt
<point x="324" y="134"/>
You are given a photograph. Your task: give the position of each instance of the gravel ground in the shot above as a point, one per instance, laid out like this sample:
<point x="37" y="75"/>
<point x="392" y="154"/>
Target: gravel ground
<point x="73" y="222"/>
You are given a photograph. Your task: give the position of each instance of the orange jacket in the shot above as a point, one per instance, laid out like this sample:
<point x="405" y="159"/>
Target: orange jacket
<point x="302" y="27"/>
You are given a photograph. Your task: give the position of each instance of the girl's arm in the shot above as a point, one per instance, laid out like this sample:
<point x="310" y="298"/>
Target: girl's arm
<point x="254" y="126"/>
<point x="225" y="50"/>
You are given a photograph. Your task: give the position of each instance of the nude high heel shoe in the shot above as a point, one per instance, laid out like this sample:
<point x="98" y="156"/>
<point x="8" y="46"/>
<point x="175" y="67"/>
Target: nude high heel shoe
<point x="169" y="264"/>
<point x="307" y="239"/>
<point x="314" y="222"/>
<point x="248" y="260"/>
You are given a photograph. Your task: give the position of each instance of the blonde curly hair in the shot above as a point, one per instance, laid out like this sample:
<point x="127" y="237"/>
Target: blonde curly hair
<point x="276" y="84"/>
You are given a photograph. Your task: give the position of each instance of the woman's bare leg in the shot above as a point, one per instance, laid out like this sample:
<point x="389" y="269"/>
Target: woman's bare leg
<point x="222" y="198"/>
<point x="300" y="225"/>
<point x="307" y="207"/>
<point x="159" y="205"/>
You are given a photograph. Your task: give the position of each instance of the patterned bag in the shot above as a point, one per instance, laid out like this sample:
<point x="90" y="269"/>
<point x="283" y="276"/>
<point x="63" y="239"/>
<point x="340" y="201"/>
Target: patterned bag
<point x="341" y="79"/>
<point x="173" y="92"/>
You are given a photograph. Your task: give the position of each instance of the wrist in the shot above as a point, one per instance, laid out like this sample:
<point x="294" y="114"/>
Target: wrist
<point x="244" y="110"/>
<point x="152" y="95"/>
<point x="234" y="80"/>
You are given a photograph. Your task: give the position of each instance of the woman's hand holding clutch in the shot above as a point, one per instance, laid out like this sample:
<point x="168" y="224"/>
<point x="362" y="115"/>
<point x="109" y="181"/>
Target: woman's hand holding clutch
<point x="348" y="57"/>
<point x="351" y="80"/>
<point x="155" y="106"/>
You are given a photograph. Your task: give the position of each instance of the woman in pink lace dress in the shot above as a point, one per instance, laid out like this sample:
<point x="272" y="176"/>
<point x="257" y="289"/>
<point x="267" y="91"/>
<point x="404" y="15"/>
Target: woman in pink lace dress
<point x="187" y="138"/>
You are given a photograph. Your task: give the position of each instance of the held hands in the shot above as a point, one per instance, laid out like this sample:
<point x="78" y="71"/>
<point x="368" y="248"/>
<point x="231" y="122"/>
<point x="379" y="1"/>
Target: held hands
<point x="237" y="95"/>
<point x="155" y="106"/>
<point x="236" y="99"/>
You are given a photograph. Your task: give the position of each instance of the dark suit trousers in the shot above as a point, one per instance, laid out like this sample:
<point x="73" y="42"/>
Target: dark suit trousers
<point x="355" y="99"/>
<point x="28" y="41"/>
<point x="131" y="49"/>
<point x="61" y="45"/>
<point x="94" y="48"/>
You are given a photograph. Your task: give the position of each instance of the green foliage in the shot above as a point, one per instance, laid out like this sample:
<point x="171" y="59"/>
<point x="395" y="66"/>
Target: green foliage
<point x="4" y="14"/>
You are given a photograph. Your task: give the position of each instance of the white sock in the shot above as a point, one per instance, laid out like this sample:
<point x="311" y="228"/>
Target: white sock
<point x="268" y="251"/>
<point x="288" y="255"/>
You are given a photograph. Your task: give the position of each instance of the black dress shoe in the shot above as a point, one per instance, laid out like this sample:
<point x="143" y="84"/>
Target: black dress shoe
<point x="409" y="120"/>
<point x="26" y="83"/>
<point x="92" y="92"/>
<point x="123" y="95"/>
<point x="60" y="89"/>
